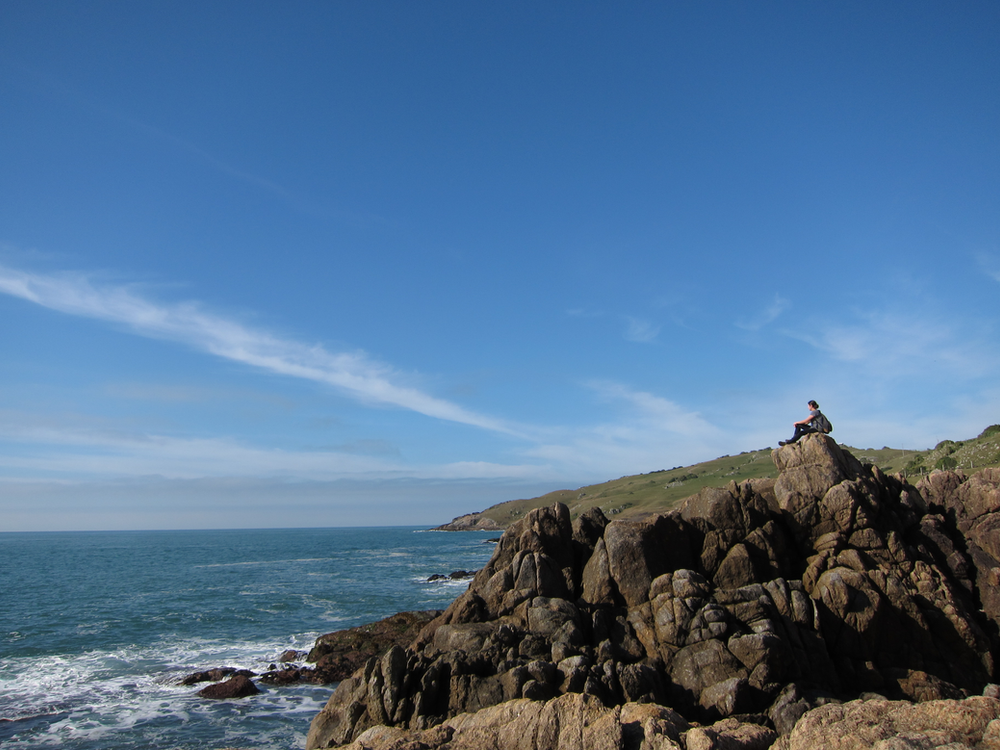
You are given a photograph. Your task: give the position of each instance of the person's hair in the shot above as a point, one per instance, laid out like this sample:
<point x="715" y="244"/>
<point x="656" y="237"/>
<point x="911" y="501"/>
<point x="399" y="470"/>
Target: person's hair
<point x="813" y="404"/>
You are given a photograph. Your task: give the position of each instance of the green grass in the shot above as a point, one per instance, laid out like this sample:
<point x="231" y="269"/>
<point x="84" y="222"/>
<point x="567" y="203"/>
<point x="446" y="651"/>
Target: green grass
<point x="659" y="491"/>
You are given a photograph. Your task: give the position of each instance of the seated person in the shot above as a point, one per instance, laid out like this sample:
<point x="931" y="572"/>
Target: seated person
<point x="815" y="422"/>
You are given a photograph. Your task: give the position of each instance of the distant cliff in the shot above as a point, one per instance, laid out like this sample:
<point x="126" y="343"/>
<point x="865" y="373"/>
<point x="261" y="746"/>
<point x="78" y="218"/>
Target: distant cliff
<point x="471" y="522"/>
<point x="744" y="619"/>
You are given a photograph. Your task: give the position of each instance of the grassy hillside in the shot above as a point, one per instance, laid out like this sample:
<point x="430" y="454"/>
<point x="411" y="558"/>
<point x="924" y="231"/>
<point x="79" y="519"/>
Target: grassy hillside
<point x="659" y="491"/>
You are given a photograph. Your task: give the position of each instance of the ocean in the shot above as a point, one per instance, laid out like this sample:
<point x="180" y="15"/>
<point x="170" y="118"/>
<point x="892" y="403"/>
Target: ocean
<point x="98" y="628"/>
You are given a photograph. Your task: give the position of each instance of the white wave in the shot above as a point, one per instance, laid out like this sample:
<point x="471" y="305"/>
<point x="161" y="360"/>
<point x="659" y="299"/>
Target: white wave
<point x="126" y="697"/>
<point x="459" y="584"/>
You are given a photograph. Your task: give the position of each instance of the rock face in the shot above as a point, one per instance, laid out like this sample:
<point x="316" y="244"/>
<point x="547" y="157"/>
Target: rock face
<point x="570" y="722"/>
<point x="338" y="654"/>
<point x="743" y="610"/>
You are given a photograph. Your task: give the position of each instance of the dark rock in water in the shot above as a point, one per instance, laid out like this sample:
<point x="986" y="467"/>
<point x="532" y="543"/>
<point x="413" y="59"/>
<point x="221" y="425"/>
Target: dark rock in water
<point x="290" y="676"/>
<point x="215" y="675"/>
<point x="290" y="655"/>
<point x="456" y="575"/>
<point x="238" y="686"/>
<point x="778" y="597"/>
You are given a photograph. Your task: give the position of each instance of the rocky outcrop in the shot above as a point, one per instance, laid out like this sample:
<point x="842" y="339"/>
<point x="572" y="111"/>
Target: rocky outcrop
<point x="756" y="604"/>
<point x="340" y="653"/>
<point x="337" y="655"/>
<point x="470" y="522"/>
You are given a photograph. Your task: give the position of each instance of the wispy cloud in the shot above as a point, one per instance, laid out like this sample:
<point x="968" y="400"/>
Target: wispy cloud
<point x="893" y="343"/>
<point x="59" y="88"/>
<point x="76" y="449"/>
<point x="189" y="323"/>
<point x="640" y="331"/>
<point x="666" y="414"/>
<point x="648" y="432"/>
<point x="768" y="315"/>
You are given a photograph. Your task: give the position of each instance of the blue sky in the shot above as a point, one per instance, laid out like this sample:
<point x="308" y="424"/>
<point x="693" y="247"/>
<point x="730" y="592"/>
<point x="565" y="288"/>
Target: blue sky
<point x="357" y="263"/>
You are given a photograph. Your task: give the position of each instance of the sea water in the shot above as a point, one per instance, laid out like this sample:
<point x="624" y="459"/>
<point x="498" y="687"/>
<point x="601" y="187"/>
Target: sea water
<point x="97" y="629"/>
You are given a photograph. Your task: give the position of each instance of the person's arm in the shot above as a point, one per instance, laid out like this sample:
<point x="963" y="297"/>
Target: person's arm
<point x="807" y="420"/>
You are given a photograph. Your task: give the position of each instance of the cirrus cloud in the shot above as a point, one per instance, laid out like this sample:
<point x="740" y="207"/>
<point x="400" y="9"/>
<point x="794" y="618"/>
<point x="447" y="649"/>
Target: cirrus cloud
<point x="354" y="373"/>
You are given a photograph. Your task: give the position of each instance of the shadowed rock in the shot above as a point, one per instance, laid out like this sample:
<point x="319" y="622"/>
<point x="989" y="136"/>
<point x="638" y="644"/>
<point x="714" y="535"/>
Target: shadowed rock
<point x="337" y="655"/>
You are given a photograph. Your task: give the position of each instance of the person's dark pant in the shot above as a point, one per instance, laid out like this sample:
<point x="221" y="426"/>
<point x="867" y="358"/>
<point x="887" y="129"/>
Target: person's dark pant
<point x="800" y="430"/>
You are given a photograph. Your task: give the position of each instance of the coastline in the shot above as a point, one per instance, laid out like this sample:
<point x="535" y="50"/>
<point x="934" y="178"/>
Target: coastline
<point x="744" y="614"/>
<point x="103" y="626"/>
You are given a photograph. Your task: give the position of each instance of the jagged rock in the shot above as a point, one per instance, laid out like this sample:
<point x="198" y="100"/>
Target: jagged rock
<point x="337" y="655"/>
<point x="598" y="587"/>
<point x="770" y="596"/>
<point x="698" y="669"/>
<point x="973" y="505"/>
<point x="640" y="551"/>
<point x="589" y="527"/>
